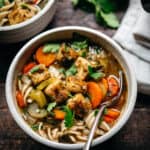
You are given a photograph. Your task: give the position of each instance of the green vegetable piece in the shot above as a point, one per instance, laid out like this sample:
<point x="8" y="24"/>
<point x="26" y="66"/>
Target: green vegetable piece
<point x="103" y="10"/>
<point x="44" y="84"/>
<point x="35" y="112"/>
<point x="51" y="48"/>
<point x="35" y="127"/>
<point x="79" y="45"/>
<point x="35" y="69"/>
<point x="90" y="70"/>
<point x="106" y="5"/>
<point x="1" y="3"/>
<point x="39" y="97"/>
<point x="110" y="19"/>
<point x="51" y="106"/>
<point x="62" y="70"/>
<point x="71" y="71"/>
<point x="95" y="75"/>
<point x="69" y="117"/>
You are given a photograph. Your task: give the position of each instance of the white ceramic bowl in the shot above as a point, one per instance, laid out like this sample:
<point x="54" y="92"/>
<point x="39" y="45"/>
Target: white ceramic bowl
<point x="61" y="34"/>
<point x="28" y="28"/>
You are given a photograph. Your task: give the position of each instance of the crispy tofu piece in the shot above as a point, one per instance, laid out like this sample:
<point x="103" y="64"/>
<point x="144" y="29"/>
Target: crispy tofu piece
<point x="75" y="85"/>
<point x="40" y="75"/>
<point x="57" y="91"/>
<point x="82" y="68"/>
<point x="80" y="105"/>
<point x="66" y="54"/>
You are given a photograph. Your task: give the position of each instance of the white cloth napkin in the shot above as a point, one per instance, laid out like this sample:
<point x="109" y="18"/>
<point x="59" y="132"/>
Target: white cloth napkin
<point x="137" y="55"/>
<point x="141" y="31"/>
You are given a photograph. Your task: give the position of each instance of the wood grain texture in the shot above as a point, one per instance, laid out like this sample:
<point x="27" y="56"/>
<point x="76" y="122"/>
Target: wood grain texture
<point x="135" y="135"/>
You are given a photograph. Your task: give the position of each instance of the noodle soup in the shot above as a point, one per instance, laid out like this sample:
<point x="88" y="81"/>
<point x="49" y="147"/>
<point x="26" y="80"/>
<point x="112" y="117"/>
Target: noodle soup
<point x="61" y="87"/>
<point x="16" y="11"/>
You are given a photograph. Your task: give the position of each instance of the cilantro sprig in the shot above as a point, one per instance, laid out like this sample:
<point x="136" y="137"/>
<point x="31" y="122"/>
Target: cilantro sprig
<point x="71" y="71"/>
<point x="95" y="75"/>
<point x="104" y="10"/>
<point x="51" y="48"/>
<point x="78" y="45"/>
<point x="69" y="117"/>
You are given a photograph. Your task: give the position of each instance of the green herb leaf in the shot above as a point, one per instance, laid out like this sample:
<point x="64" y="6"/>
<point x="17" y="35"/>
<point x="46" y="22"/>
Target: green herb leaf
<point x="34" y="69"/>
<point x="53" y="48"/>
<point x="1" y="3"/>
<point x="95" y="75"/>
<point x="69" y="117"/>
<point x="90" y="70"/>
<point x="71" y="71"/>
<point x="83" y="4"/>
<point x="35" y="127"/>
<point x="110" y="19"/>
<point x="79" y="45"/>
<point x="106" y="5"/>
<point x="83" y="54"/>
<point x="62" y="70"/>
<point x="103" y="10"/>
<point x="51" y="106"/>
<point x="96" y="112"/>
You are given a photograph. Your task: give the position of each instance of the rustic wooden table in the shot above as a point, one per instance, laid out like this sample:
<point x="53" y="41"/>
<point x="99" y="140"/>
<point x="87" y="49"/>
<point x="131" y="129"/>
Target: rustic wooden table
<point x="135" y="135"/>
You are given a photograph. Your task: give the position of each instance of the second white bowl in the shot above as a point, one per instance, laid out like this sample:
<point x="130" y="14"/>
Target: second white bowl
<point x="29" y="28"/>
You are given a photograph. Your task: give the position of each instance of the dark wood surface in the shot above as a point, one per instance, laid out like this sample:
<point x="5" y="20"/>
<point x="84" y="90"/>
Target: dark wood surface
<point x="135" y="135"/>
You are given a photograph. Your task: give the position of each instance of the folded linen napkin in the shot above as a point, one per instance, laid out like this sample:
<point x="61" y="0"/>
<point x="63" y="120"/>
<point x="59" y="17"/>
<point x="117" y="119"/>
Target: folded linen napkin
<point x="141" y="31"/>
<point x="138" y="55"/>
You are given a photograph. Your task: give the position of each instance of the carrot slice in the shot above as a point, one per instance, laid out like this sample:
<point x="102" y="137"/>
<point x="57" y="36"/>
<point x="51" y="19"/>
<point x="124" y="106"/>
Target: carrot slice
<point x="44" y="58"/>
<point x="113" y="113"/>
<point x="35" y="1"/>
<point x="95" y="93"/>
<point x="104" y="86"/>
<point x="108" y="119"/>
<point x="20" y="99"/>
<point x="59" y="114"/>
<point x="28" y="67"/>
<point x="113" y="86"/>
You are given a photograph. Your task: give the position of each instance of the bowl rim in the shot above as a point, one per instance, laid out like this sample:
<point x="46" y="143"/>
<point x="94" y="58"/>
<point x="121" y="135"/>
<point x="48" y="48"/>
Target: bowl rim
<point x="19" y="120"/>
<point x="47" y="6"/>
